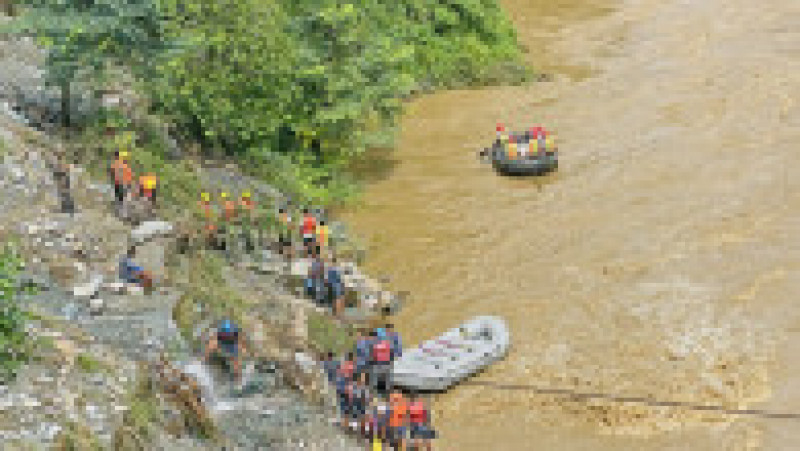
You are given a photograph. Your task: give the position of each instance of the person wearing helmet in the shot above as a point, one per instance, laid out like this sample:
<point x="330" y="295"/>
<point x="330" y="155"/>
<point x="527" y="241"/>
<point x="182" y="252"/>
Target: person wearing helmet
<point x="228" y="208"/>
<point x="247" y="220"/>
<point x="227" y="342"/>
<point x="207" y="211"/>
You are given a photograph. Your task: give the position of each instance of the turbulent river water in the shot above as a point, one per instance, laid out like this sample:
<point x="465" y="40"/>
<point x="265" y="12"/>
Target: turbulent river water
<point x="661" y="260"/>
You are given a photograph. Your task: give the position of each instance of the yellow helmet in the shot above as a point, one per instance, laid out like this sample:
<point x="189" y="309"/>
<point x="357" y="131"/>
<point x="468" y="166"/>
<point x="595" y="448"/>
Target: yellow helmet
<point x="205" y="197"/>
<point x="123" y="154"/>
<point x="246" y="195"/>
<point x="224" y="195"/>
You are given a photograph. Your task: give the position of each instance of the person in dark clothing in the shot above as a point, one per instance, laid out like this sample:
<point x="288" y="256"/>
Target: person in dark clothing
<point x="363" y="347"/>
<point x="335" y="287"/>
<point x="331" y="366"/>
<point x="394" y="338"/>
<point x="315" y="281"/>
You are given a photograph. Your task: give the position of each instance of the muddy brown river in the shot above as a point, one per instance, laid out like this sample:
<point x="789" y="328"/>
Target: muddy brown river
<point x="662" y="260"/>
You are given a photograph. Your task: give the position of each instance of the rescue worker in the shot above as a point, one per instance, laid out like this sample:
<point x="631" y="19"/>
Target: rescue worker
<point x="226" y="227"/>
<point x="308" y="228"/>
<point x="381" y="361"/>
<point x="331" y="367"/>
<point x="343" y="378"/>
<point x="228" y="343"/>
<point x="285" y="233"/>
<point x="398" y="419"/>
<point x="210" y="227"/>
<point x="512" y="147"/>
<point x="247" y="207"/>
<point x="323" y="234"/>
<point x="419" y="424"/>
<point x="147" y="188"/>
<point x="363" y="399"/>
<point x="394" y="338"/>
<point x="363" y="349"/>
<point x="315" y="280"/>
<point x="335" y="287"/>
<point x="123" y="177"/>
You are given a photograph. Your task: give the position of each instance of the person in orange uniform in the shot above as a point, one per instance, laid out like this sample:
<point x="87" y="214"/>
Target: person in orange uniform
<point x="309" y="227"/>
<point x="398" y="419"/>
<point x="247" y="219"/>
<point x="323" y="234"/>
<point x="207" y="211"/>
<point x="123" y="177"/>
<point x="226" y="225"/>
<point x="147" y="188"/>
<point x="512" y="147"/>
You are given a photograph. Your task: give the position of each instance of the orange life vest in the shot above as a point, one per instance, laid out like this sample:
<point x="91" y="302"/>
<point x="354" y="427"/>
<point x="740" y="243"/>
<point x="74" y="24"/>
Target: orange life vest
<point x="230" y="209"/>
<point x="398" y="416"/>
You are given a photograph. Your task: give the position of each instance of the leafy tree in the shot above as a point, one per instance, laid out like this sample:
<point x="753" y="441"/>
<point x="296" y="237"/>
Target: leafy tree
<point x="83" y="37"/>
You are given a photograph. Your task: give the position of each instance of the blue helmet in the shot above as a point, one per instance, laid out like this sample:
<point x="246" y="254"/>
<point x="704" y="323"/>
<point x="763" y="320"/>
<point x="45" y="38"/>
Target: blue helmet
<point x="381" y="333"/>
<point x="227" y="327"/>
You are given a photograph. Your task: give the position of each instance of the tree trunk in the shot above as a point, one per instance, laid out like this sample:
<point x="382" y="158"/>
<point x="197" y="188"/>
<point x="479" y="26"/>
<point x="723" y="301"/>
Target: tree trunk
<point x="65" y="105"/>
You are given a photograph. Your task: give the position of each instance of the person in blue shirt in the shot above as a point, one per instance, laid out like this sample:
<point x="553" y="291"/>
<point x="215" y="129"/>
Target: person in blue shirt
<point x="228" y="343"/>
<point x="363" y="348"/>
<point x="394" y="338"/>
<point x="335" y="287"/>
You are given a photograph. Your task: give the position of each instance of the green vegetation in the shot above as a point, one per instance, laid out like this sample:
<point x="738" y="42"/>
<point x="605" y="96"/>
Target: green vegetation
<point x="76" y="436"/>
<point x="207" y="295"/>
<point x="89" y="364"/>
<point x="326" y="335"/>
<point x="14" y="344"/>
<point x="141" y="417"/>
<point x="296" y="91"/>
<point x="3" y="147"/>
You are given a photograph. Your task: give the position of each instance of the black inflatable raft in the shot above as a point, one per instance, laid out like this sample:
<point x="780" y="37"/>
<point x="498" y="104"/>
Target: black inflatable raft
<point x="528" y="165"/>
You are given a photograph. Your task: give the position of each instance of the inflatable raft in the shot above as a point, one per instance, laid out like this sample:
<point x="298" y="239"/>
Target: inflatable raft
<point x="438" y="364"/>
<point x="528" y="165"/>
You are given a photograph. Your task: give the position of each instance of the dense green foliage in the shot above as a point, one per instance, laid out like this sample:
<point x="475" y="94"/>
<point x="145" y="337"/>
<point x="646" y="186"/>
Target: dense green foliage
<point x="84" y="37"/>
<point x="13" y="339"/>
<point x="295" y="89"/>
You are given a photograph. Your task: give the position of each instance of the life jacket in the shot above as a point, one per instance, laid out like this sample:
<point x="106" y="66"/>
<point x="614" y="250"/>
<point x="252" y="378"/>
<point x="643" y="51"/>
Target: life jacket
<point x="148" y="184"/>
<point x="322" y="235"/>
<point x="116" y="171"/>
<point x="309" y="224"/>
<point x="126" y="174"/>
<point x="417" y="413"/>
<point x="247" y="205"/>
<point x="381" y="351"/>
<point x="229" y="208"/>
<point x="512" y="150"/>
<point x="397" y="418"/>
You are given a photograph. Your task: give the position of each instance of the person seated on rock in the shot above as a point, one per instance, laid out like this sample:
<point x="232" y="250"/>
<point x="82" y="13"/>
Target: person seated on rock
<point x="228" y="343"/>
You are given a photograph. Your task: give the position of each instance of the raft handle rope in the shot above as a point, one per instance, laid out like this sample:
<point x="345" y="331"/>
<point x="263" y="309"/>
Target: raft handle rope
<point x="575" y="395"/>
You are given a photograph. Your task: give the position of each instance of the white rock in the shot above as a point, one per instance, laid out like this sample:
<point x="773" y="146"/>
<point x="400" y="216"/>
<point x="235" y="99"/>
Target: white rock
<point x="134" y="289"/>
<point x="88" y="290"/>
<point x="150" y="229"/>
<point x="304" y="361"/>
<point x="114" y="287"/>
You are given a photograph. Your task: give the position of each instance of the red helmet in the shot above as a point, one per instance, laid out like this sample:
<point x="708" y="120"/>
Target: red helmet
<point x="500" y="128"/>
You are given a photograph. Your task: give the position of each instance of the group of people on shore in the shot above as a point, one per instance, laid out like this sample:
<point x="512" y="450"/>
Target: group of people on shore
<point x="368" y="403"/>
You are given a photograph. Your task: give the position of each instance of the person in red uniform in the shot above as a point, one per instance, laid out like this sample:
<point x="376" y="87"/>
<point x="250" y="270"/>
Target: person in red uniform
<point x="309" y="228"/>
<point x="419" y="423"/>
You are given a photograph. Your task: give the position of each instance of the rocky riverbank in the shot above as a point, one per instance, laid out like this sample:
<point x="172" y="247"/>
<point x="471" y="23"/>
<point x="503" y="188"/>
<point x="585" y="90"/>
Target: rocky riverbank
<point x="94" y="376"/>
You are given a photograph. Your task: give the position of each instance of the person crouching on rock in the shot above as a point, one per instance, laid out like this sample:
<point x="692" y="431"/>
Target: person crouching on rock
<point x="227" y="342"/>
